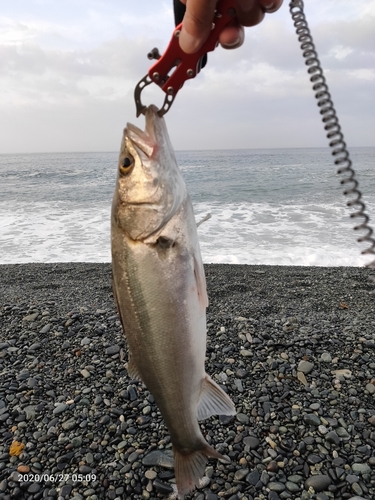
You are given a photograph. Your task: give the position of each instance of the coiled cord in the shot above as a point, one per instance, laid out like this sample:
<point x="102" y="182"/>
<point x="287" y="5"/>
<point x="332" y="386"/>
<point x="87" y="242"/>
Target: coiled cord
<point x="331" y="125"/>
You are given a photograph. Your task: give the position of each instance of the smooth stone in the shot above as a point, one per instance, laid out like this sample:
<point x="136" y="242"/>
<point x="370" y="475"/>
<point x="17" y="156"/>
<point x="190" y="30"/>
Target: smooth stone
<point x="150" y="474"/>
<point x="265" y="477"/>
<point x="45" y="329"/>
<point x="345" y="373"/>
<point x="276" y="486"/>
<point x="351" y="478"/>
<point x="319" y="482"/>
<point x="60" y="408"/>
<point x="326" y="357"/>
<point x="113" y="349"/>
<point x="301" y="377"/>
<point x="76" y="442"/>
<point x="163" y="488"/>
<point x="272" y="466"/>
<point x="66" y="490"/>
<point x="295" y="478"/>
<point x="253" y="477"/>
<point x="85" y="469"/>
<point x="293" y="487"/>
<point x="239" y="386"/>
<point x="159" y="458"/>
<point x="133" y="457"/>
<point x="31" y="317"/>
<point x="305" y="367"/>
<point x="343" y="433"/>
<point x="69" y="424"/>
<point x="251" y="442"/>
<point x="240" y="474"/>
<point x="357" y="489"/>
<point x="85" y="341"/>
<point x="85" y="373"/>
<point x="34" y="487"/>
<point x="358" y="498"/>
<point x="35" y="346"/>
<point x="242" y="418"/>
<point x="311" y="419"/>
<point x="30" y="412"/>
<point x="370" y="388"/>
<point x="332" y="438"/>
<point x="246" y="353"/>
<point x="361" y="468"/>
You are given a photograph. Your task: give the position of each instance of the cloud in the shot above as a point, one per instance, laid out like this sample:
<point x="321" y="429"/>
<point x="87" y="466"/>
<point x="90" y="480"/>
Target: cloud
<point x="73" y="73"/>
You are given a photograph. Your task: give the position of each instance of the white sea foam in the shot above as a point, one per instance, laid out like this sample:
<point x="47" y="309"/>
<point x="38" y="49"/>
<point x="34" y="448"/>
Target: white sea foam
<point x="41" y="233"/>
<point x="285" y="235"/>
<point x="268" y="206"/>
<point x="243" y="233"/>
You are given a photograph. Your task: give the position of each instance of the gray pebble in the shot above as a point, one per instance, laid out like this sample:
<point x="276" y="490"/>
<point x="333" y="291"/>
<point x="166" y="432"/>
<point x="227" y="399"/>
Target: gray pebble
<point x="240" y="474"/>
<point x="326" y="357"/>
<point x="160" y="458"/>
<point x="70" y="424"/>
<point x="45" y="329"/>
<point x="332" y="438"/>
<point x="276" y="486"/>
<point x="319" y="482"/>
<point x="292" y="487"/>
<point x="305" y="367"/>
<point x="361" y="468"/>
<point x="252" y="442"/>
<point x="312" y="419"/>
<point x="113" y="349"/>
<point x="242" y="418"/>
<point x="60" y="408"/>
<point x="253" y="477"/>
<point x="370" y="388"/>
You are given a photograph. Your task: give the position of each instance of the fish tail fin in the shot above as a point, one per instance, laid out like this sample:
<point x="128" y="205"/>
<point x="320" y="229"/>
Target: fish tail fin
<point x="213" y="400"/>
<point x="189" y="467"/>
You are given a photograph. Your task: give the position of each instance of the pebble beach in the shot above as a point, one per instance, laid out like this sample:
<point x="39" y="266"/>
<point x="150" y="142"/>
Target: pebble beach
<point x="294" y="347"/>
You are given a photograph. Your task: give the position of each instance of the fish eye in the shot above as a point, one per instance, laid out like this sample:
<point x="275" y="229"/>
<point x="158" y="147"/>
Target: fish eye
<point x="126" y="165"/>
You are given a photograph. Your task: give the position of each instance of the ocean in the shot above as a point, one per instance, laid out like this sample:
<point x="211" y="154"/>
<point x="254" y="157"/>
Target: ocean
<point x="269" y="206"/>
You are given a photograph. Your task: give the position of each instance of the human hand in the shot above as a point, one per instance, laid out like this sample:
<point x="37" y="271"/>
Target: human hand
<point x="198" y="20"/>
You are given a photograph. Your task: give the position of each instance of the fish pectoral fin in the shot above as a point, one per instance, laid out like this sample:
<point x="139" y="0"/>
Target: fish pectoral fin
<point x="200" y="281"/>
<point x="207" y="217"/>
<point x="213" y="400"/>
<point x="133" y="370"/>
<point x="189" y="466"/>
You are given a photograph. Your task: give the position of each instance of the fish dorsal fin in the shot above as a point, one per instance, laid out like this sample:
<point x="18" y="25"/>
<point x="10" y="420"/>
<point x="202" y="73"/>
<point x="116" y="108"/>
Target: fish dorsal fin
<point x="133" y="370"/>
<point x="213" y="400"/>
<point x="200" y="280"/>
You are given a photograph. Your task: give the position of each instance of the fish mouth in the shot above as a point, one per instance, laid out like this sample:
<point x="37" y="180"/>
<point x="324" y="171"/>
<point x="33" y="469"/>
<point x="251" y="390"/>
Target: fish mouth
<point x="145" y="140"/>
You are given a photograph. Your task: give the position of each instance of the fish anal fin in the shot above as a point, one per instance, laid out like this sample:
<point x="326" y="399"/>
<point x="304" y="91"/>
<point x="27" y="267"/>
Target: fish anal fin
<point x="133" y="370"/>
<point x="213" y="400"/>
<point x="189" y="467"/>
<point x="200" y="280"/>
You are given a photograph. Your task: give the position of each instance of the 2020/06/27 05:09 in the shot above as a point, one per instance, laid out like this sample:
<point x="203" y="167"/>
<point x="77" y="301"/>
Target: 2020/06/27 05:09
<point x="53" y="478"/>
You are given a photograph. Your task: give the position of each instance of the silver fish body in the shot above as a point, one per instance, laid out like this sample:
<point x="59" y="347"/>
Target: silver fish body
<point x="160" y="290"/>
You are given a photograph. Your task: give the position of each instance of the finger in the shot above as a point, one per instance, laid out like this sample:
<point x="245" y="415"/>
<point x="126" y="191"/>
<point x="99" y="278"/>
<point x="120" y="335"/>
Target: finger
<point x="232" y="36"/>
<point x="197" y="24"/>
<point x="270" y="6"/>
<point x="250" y="13"/>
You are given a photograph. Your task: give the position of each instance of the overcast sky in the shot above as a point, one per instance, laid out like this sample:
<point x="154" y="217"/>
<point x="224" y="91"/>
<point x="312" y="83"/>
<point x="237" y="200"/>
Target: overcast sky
<point x="68" y="69"/>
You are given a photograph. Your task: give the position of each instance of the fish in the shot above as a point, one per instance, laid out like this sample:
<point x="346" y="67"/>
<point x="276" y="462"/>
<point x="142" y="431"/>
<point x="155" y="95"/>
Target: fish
<point x="160" y="290"/>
